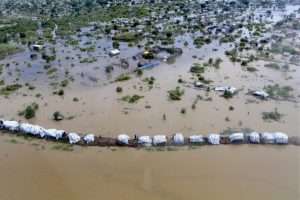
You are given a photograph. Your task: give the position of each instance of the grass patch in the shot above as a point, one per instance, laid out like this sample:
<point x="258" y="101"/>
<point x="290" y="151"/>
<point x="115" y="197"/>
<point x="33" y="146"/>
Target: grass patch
<point x="9" y="89"/>
<point x="197" y="68"/>
<point x="132" y="99"/>
<point x="272" y="116"/>
<point x="176" y="94"/>
<point x="29" y="111"/>
<point x="277" y="91"/>
<point x="272" y="66"/>
<point x="123" y="77"/>
<point x="8" y="49"/>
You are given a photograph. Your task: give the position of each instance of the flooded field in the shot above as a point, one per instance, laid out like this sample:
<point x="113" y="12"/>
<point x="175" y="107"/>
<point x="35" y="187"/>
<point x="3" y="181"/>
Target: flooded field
<point x="76" y="76"/>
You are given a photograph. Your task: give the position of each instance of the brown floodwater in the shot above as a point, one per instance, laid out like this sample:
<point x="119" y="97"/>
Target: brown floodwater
<point x="34" y="170"/>
<point x="28" y="171"/>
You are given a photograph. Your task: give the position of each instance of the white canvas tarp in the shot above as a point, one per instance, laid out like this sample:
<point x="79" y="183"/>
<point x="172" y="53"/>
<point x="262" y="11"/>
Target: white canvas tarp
<point x="261" y="93"/>
<point x="73" y="138"/>
<point x="268" y="138"/>
<point x="178" y="139"/>
<point x="254" y="137"/>
<point x="32" y="129"/>
<point x="123" y="138"/>
<point x="11" y="125"/>
<point x="159" y="139"/>
<point x="89" y="138"/>
<point x="53" y="133"/>
<point x="230" y="89"/>
<point x="214" y="139"/>
<point x="145" y="140"/>
<point x="281" y="138"/>
<point x="196" y="139"/>
<point x="236" y="137"/>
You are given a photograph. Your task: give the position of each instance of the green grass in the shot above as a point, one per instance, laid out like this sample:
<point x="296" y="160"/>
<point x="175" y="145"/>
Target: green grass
<point x="197" y="68"/>
<point x="126" y="37"/>
<point x="277" y="91"/>
<point x="176" y="94"/>
<point x="272" y="116"/>
<point x="9" y="89"/>
<point x="8" y="49"/>
<point x="123" y="77"/>
<point x="132" y="99"/>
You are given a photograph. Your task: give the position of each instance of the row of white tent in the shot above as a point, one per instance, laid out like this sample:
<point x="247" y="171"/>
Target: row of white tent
<point x="214" y="139"/>
<point x="177" y="139"/>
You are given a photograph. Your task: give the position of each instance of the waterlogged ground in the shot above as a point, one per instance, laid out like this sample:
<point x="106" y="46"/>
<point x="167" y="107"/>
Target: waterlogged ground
<point x="40" y="170"/>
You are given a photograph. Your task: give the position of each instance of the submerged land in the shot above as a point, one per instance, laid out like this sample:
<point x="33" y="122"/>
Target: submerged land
<point x="147" y="68"/>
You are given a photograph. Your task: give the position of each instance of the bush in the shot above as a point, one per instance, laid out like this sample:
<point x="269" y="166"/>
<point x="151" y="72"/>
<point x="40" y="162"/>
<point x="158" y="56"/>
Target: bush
<point x="176" y="94"/>
<point x="57" y="116"/>
<point x="29" y="111"/>
<point x="272" y="116"/>
<point x="123" y="77"/>
<point x="119" y="89"/>
<point x="132" y="99"/>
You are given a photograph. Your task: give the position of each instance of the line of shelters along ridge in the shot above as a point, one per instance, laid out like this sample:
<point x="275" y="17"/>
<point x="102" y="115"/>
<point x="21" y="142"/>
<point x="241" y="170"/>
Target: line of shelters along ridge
<point x="156" y="140"/>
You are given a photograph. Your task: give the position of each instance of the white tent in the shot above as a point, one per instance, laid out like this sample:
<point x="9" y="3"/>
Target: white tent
<point x="178" y="139"/>
<point x="254" y="137"/>
<point x="32" y="129"/>
<point x="197" y="139"/>
<point x="145" y="140"/>
<point x="73" y="138"/>
<point x="53" y="133"/>
<point x="11" y="125"/>
<point x="214" y="139"/>
<point x="89" y="138"/>
<point x="281" y="138"/>
<point x="123" y="138"/>
<point x="230" y="89"/>
<point x="159" y="140"/>
<point x="268" y="138"/>
<point x="236" y="137"/>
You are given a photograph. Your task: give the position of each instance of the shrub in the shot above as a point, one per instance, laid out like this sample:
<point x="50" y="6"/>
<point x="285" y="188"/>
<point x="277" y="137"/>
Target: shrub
<point x="57" y="116"/>
<point x="272" y="116"/>
<point x="123" y="77"/>
<point x="29" y="111"/>
<point x="176" y="94"/>
<point x="132" y="99"/>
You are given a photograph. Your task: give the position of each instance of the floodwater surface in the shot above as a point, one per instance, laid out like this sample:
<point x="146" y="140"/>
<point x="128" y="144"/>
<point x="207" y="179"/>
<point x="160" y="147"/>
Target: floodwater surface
<point x="36" y="169"/>
<point x="211" y="172"/>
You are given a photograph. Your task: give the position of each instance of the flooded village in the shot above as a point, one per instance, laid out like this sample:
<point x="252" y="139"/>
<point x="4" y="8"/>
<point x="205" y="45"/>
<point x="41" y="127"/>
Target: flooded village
<point x="150" y="72"/>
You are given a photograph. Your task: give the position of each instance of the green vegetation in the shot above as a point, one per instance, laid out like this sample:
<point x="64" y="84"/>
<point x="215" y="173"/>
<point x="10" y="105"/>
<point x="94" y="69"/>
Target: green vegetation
<point x="132" y="99"/>
<point x="57" y="116"/>
<point x="9" y="89"/>
<point x="126" y="37"/>
<point x="272" y="116"/>
<point x="176" y="94"/>
<point x="273" y="66"/>
<point x="119" y="89"/>
<point x="8" y="49"/>
<point x="29" y="111"/>
<point x="197" y="68"/>
<point x="88" y="60"/>
<point x="123" y="77"/>
<point x="200" y="41"/>
<point x="277" y="91"/>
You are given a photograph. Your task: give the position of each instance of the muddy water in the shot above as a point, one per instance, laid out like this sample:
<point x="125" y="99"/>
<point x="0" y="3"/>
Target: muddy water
<point x="101" y="111"/>
<point x="33" y="170"/>
<point x="223" y="172"/>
